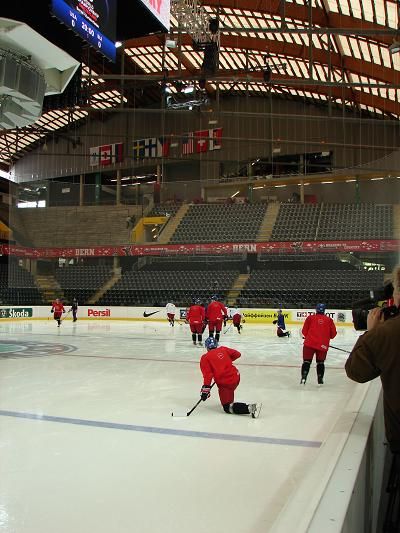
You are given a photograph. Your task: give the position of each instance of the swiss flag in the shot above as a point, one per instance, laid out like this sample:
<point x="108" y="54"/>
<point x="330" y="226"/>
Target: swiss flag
<point x="201" y="138"/>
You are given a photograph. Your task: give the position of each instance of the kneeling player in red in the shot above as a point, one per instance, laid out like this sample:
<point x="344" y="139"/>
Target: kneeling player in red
<point x="217" y="365"/>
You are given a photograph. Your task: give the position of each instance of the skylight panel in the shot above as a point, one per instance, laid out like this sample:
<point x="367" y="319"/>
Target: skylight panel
<point x="392" y="18"/>
<point x="364" y="50"/>
<point x="380" y="11"/>
<point x="368" y="10"/>
<point x="333" y="5"/>
<point x="344" y="7"/>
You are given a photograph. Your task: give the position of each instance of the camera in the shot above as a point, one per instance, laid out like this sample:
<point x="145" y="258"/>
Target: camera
<point x="362" y="307"/>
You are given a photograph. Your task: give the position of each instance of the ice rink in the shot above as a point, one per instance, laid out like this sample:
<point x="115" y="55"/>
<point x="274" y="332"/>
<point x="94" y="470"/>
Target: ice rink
<point x="88" y="443"/>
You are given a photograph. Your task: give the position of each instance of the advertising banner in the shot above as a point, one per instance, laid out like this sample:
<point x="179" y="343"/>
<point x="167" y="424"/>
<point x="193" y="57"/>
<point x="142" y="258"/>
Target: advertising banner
<point x="207" y="249"/>
<point x="88" y="312"/>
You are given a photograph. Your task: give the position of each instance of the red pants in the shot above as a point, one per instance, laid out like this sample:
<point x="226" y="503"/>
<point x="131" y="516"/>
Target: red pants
<point x="236" y="319"/>
<point x="196" y="327"/>
<point x="215" y="325"/>
<point x="226" y="391"/>
<point x="308" y="354"/>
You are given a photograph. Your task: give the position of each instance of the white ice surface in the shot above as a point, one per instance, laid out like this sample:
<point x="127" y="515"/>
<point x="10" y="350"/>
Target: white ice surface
<point x="156" y="473"/>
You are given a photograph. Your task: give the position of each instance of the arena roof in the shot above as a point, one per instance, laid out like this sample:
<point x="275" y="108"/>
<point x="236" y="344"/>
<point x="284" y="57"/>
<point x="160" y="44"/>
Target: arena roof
<point x="330" y="52"/>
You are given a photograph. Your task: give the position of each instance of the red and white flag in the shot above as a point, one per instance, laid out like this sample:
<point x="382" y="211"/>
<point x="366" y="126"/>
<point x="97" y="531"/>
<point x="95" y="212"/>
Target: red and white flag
<point x="107" y="154"/>
<point x="201" y="141"/>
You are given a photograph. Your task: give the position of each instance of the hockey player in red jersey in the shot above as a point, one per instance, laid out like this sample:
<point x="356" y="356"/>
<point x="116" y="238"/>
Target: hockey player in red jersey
<point x="196" y="317"/>
<point x="57" y="308"/>
<point x="217" y="365"/>
<point x="237" y="317"/>
<point x="317" y="331"/>
<point x="216" y="313"/>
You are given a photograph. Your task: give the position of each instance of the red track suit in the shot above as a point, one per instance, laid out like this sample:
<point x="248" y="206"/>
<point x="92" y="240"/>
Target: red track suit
<point x="57" y="309"/>
<point x="196" y="316"/>
<point x="318" y="330"/>
<point x="217" y="364"/>
<point x="216" y="311"/>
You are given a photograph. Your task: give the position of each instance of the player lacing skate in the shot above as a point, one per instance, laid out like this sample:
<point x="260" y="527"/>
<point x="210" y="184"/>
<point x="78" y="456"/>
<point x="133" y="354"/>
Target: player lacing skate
<point x="217" y="365"/>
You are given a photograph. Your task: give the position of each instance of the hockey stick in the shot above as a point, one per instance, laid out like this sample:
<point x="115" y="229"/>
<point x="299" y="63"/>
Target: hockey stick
<point x="340" y="349"/>
<point x="67" y="313"/>
<point x="228" y="328"/>
<point x="180" y="415"/>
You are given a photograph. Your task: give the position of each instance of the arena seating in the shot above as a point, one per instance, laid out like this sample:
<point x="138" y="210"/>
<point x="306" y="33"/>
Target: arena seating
<point x="80" y="281"/>
<point x="333" y="222"/>
<point x="296" y="222"/>
<point x="164" y="210"/>
<point x="355" y="221"/>
<point x="304" y="288"/>
<point x="220" y="223"/>
<point x="155" y="288"/>
<point x="17" y="286"/>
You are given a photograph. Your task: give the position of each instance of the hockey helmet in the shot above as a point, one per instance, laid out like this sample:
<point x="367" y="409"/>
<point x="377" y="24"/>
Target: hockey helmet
<point x="320" y="309"/>
<point x="210" y="343"/>
<point x="214" y="297"/>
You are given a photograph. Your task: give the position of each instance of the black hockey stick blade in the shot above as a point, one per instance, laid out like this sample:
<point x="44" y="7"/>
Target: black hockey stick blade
<point x="180" y="415"/>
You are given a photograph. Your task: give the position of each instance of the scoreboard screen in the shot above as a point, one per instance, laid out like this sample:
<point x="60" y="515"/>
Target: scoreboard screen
<point x="160" y="9"/>
<point x="93" y="20"/>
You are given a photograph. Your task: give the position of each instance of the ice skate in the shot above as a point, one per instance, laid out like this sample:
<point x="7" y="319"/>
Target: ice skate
<point x="255" y="409"/>
<point x="320" y="381"/>
<point x="194" y="343"/>
<point x="288" y="334"/>
<point x="303" y="381"/>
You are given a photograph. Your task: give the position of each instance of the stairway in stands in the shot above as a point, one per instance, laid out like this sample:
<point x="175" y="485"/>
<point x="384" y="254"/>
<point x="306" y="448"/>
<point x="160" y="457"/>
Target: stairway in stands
<point x="268" y="223"/>
<point x="236" y="289"/>
<point x="172" y="225"/>
<point x="109" y="284"/>
<point x="49" y="287"/>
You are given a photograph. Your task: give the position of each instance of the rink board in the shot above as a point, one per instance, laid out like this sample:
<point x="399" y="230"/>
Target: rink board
<point x="93" y="312"/>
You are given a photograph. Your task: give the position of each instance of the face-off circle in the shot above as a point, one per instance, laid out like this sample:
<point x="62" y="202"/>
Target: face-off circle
<point x="17" y="348"/>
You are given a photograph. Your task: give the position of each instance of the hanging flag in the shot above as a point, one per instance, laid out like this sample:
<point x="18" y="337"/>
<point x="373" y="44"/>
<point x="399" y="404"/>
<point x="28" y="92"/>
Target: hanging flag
<point x="215" y="139"/>
<point x="139" y="149"/>
<point x="94" y="156"/>
<point x="187" y="143"/>
<point x="163" y="145"/>
<point x="117" y="153"/>
<point x="150" y="147"/>
<point x="201" y="141"/>
<point x="107" y="154"/>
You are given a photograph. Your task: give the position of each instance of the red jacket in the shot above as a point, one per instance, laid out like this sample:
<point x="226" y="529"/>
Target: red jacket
<point x="216" y="311"/>
<point x="196" y="314"/>
<point x="318" y="330"/>
<point x="58" y="308"/>
<point x="217" y="364"/>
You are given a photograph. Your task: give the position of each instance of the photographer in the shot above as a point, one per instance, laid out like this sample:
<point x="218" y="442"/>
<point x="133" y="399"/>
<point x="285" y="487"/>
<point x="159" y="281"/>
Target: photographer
<point x="377" y="353"/>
